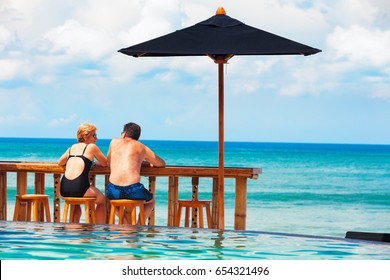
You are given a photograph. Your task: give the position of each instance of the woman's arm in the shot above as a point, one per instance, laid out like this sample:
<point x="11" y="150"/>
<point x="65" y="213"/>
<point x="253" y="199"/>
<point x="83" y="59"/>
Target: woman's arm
<point x="64" y="158"/>
<point x="101" y="159"/>
<point x="109" y="155"/>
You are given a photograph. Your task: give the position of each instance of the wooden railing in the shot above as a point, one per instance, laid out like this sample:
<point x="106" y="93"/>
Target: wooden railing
<point x="39" y="169"/>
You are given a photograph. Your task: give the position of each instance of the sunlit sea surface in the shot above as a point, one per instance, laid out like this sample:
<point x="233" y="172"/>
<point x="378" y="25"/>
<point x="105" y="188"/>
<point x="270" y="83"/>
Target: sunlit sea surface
<point x="304" y="189"/>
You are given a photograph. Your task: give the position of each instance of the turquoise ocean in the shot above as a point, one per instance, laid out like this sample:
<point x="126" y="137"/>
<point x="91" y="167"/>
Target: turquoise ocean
<point x="314" y="189"/>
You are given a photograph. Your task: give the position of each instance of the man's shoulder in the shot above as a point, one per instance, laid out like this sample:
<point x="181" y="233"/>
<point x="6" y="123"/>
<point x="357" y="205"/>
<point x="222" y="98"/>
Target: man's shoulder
<point x="115" y="140"/>
<point x="122" y="141"/>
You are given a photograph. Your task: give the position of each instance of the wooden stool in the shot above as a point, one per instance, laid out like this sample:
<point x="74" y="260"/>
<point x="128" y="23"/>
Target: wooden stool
<point x="194" y="204"/>
<point x="128" y="205"/>
<point x="32" y="199"/>
<point x="89" y="207"/>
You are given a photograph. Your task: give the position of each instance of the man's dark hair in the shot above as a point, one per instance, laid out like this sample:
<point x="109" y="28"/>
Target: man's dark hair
<point x="132" y="130"/>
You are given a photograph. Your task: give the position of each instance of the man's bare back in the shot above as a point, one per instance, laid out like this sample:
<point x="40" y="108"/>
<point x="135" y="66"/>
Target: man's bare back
<point x="125" y="157"/>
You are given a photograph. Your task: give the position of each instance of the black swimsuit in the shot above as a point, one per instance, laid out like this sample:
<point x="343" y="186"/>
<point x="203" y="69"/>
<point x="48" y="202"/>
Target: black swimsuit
<point x="77" y="186"/>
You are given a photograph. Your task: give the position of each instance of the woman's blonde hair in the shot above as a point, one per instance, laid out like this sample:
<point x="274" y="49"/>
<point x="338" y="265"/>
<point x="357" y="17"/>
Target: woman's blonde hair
<point x="84" y="130"/>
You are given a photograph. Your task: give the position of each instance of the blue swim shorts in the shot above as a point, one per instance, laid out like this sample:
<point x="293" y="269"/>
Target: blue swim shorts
<point x="135" y="191"/>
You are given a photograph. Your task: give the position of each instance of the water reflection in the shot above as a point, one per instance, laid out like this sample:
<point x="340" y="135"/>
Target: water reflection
<point x="31" y="240"/>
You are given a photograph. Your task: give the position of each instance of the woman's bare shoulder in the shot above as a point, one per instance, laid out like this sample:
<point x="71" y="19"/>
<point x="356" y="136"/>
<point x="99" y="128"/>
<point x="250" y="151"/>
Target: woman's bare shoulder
<point x="92" y="147"/>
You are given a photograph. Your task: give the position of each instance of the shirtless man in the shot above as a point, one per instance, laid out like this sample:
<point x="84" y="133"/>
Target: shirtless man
<point x="125" y="157"/>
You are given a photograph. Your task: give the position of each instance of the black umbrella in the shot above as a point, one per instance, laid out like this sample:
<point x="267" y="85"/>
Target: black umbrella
<point x="219" y="37"/>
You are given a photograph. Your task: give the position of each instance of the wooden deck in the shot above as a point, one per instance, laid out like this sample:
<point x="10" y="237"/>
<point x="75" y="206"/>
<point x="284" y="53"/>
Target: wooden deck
<point x="173" y="173"/>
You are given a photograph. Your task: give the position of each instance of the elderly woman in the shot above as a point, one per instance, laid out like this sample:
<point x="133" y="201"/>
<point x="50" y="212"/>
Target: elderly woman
<point x="77" y="161"/>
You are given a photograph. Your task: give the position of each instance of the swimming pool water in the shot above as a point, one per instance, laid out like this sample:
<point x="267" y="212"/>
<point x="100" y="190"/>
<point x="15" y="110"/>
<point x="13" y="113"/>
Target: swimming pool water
<point x="57" y="241"/>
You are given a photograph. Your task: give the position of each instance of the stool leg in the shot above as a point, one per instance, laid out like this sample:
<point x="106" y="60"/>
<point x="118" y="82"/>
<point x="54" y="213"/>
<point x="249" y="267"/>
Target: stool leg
<point x="35" y="211"/>
<point x="187" y="217"/>
<point x="28" y="218"/>
<point x="208" y="215"/>
<point x="178" y="216"/>
<point x="17" y="209"/>
<point x="71" y="215"/>
<point x="92" y="210"/>
<point x="130" y="214"/>
<point x="120" y="214"/>
<point x="87" y="209"/>
<point x="200" y="216"/>
<point x="112" y="214"/>
<point x="127" y="213"/>
<point x="133" y="215"/>
<point x="47" y="210"/>
<point x="141" y="219"/>
<point x="65" y="214"/>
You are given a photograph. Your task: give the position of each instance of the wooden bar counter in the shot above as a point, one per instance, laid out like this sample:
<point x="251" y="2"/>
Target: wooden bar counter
<point x="173" y="173"/>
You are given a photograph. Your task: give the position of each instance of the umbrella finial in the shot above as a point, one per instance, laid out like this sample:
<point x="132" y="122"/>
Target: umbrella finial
<point x="220" y="11"/>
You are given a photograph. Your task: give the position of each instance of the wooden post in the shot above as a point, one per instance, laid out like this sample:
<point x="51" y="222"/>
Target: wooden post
<point x="21" y="182"/>
<point x="240" y="205"/>
<point x="106" y="180"/>
<point x="214" y="211"/>
<point x="21" y="188"/>
<point x="195" y="197"/>
<point x="39" y="188"/>
<point x="221" y="143"/>
<point x="3" y="196"/>
<point x="195" y="186"/>
<point x="172" y="199"/>
<point x="56" y="199"/>
<point x="152" y="189"/>
<point x="108" y="205"/>
<point x="92" y="180"/>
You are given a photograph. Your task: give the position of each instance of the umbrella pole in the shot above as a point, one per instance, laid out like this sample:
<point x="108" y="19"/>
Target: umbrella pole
<point x="221" y="176"/>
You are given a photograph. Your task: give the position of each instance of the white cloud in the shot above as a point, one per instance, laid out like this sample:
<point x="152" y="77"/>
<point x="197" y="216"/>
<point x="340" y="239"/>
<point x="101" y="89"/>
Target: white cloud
<point x="62" y="121"/>
<point x="30" y="19"/>
<point x="262" y="66"/>
<point x="166" y="76"/>
<point x="91" y="72"/>
<point x="9" y="68"/>
<point x="381" y="91"/>
<point x="78" y="41"/>
<point x="5" y="37"/>
<point x="123" y="68"/>
<point x="46" y="79"/>
<point x="361" y="45"/>
<point x="381" y="85"/>
<point x="157" y="18"/>
<point x="196" y="66"/>
<point x="349" y="12"/>
<point x="110" y="17"/>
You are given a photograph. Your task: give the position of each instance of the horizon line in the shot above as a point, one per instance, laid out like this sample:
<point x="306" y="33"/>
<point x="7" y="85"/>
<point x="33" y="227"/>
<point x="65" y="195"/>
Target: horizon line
<point x="212" y="141"/>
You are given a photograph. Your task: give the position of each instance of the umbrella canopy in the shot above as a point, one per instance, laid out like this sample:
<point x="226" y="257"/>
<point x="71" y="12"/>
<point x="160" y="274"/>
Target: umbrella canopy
<point x="219" y="37"/>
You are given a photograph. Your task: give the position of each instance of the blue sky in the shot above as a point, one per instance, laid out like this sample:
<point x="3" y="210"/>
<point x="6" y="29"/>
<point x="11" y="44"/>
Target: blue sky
<point x="59" y="67"/>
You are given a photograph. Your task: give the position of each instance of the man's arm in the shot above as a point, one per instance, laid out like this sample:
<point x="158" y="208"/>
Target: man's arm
<point x="153" y="159"/>
<point x="109" y="155"/>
